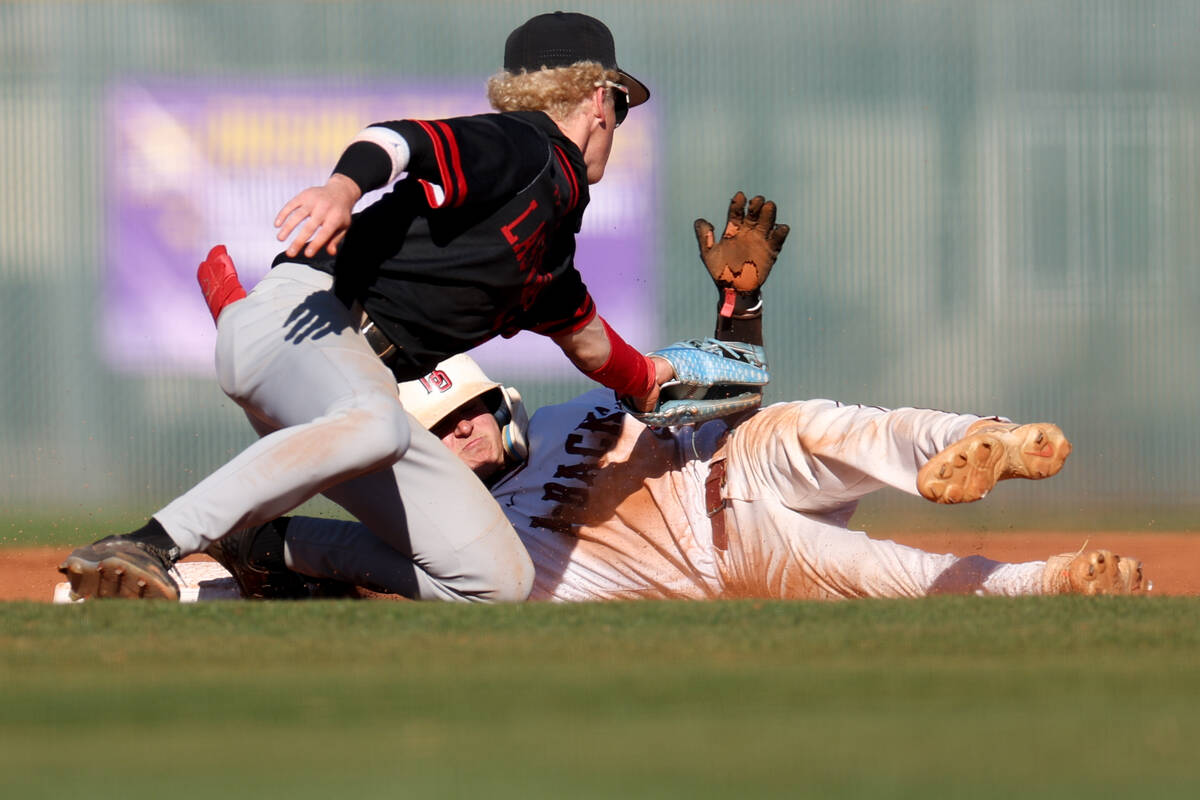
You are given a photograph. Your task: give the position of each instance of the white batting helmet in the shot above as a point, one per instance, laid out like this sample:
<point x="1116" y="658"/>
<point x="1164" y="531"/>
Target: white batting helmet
<point x="458" y="380"/>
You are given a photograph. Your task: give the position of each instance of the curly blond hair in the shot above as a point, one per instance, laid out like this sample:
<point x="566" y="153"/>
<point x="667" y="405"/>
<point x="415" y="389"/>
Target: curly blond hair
<point x="558" y="91"/>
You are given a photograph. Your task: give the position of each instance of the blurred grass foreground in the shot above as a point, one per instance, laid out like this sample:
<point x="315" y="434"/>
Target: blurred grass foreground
<point x="1041" y="697"/>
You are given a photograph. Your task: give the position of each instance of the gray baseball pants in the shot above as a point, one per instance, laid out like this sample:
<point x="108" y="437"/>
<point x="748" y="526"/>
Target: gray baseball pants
<point x="331" y="422"/>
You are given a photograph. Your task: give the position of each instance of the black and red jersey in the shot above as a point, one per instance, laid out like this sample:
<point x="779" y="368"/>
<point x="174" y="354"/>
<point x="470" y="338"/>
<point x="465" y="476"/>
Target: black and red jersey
<point x="478" y="239"/>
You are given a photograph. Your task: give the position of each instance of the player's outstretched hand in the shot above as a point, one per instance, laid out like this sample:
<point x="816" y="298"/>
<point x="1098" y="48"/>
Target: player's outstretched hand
<point x="319" y="216"/>
<point x="663" y="373"/>
<point x="742" y="258"/>
<point x="706" y="379"/>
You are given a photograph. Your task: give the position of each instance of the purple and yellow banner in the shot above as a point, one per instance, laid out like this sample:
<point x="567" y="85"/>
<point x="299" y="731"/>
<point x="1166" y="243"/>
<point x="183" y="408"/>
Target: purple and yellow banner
<point x="192" y="164"/>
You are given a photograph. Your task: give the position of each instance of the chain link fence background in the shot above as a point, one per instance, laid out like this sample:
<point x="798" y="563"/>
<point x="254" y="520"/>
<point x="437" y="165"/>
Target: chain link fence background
<point x="995" y="208"/>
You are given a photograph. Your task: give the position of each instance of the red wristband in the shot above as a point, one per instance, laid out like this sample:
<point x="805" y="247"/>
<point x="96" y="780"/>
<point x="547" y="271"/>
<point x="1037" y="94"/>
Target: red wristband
<point x="626" y="371"/>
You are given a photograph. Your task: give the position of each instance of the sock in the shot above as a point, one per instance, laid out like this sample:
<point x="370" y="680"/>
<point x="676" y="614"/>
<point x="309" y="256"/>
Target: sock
<point x="154" y="534"/>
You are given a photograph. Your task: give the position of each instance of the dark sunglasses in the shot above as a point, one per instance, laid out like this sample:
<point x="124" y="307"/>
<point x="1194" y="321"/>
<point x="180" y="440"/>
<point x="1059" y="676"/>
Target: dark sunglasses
<point x="620" y="101"/>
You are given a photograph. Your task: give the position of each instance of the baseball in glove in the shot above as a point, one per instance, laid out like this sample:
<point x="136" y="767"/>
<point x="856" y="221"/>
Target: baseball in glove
<point x="712" y="379"/>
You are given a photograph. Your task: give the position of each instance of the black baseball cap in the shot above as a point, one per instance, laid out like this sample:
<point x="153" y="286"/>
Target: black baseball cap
<point x="562" y="38"/>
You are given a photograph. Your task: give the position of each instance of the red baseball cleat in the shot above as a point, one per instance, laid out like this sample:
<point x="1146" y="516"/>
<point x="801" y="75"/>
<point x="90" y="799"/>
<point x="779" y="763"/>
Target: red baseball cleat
<point x="219" y="281"/>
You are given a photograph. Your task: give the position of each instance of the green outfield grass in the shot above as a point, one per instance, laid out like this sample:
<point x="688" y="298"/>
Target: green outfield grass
<point x="946" y="697"/>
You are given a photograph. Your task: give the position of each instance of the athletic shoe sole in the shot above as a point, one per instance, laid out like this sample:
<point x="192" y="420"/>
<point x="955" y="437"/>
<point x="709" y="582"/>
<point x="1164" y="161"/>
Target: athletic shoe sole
<point x="968" y="469"/>
<point x="116" y="576"/>
<point x="1098" y="572"/>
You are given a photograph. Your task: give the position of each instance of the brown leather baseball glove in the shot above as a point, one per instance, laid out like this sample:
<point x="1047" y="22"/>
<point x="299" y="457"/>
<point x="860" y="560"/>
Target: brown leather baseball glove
<point x="742" y="259"/>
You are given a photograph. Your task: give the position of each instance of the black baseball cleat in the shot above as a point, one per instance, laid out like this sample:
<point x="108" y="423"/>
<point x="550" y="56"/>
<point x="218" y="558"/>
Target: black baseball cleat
<point x="254" y="556"/>
<point x="119" y="566"/>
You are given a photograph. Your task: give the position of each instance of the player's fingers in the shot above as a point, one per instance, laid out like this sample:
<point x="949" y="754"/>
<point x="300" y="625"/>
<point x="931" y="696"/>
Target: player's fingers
<point x="778" y="237"/>
<point x="663" y="371"/>
<point x="754" y="210"/>
<point x="336" y="243"/>
<point x="303" y="235"/>
<point x="292" y="215"/>
<point x="704" y="235"/>
<point x="289" y="207"/>
<point x="766" y="216"/>
<point x="317" y="240"/>
<point x="289" y="226"/>
<point x="736" y="215"/>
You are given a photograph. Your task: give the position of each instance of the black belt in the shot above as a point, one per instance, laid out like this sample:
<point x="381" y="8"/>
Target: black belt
<point x="385" y="348"/>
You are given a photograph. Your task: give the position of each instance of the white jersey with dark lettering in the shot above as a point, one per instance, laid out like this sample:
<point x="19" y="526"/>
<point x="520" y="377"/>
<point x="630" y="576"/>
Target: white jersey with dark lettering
<point x="610" y="509"/>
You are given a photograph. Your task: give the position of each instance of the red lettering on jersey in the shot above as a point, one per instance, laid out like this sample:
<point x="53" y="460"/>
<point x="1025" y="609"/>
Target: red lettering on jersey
<point x="509" y="230"/>
<point x="529" y="249"/>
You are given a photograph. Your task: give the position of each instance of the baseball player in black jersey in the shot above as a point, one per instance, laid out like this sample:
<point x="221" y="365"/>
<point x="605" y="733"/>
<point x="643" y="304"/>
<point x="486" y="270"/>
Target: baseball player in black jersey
<point x="475" y="239"/>
<point x="755" y="504"/>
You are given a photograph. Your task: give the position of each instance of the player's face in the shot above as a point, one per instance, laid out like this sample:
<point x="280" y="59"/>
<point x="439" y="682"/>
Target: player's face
<point x="472" y="434"/>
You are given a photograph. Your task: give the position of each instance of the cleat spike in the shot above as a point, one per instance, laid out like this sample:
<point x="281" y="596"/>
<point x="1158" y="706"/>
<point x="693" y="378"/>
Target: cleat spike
<point x="107" y="567"/>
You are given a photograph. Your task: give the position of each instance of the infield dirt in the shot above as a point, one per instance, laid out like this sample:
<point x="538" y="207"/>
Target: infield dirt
<point x="1171" y="560"/>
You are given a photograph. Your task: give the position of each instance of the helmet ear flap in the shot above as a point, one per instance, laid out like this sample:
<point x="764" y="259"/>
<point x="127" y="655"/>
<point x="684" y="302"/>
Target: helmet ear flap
<point x="514" y="432"/>
<point x="502" y="413"/>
